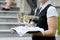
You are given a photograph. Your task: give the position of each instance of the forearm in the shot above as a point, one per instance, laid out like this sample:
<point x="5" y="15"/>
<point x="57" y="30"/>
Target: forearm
<point x="49" y="33"/>
<point x="52" y="26"/>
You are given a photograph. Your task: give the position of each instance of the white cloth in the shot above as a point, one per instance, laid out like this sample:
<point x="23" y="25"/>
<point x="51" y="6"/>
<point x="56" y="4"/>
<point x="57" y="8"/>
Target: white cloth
<point x="22" y="30"/>
<point x="51" y="10"/>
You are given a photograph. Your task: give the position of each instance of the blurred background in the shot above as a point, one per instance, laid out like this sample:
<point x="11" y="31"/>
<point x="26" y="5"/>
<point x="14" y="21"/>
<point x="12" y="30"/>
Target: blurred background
<point x="8" y="19"/>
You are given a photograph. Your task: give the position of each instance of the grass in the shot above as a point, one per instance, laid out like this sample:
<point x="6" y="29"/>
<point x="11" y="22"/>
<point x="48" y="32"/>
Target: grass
<point x="59" y="24"/>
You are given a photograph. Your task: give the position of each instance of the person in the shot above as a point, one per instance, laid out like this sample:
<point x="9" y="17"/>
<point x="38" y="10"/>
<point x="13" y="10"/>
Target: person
<point x="8" y="5"/>
<point x="33" y="5"/>
<point x="48" y="20"/>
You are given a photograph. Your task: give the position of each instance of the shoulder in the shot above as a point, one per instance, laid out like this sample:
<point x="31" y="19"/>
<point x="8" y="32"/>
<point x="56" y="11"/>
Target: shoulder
<point x="51" y="8"/>
<point x="52" y="12"/>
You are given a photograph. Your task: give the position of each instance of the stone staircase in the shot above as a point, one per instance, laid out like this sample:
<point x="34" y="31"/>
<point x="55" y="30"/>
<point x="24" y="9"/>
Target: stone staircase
<point x="8" y="19"/>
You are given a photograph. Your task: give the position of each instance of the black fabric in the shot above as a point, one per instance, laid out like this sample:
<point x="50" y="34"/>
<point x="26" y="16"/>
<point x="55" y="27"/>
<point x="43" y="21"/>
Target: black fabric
<point x="42" y="23"/>
<point x="43" y="38"/>
<point x="33" y="5"/>
<point x="37" y="12"/>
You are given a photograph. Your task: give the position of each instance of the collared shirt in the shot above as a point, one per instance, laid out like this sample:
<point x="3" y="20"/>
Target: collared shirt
<point x="51" y="10"/>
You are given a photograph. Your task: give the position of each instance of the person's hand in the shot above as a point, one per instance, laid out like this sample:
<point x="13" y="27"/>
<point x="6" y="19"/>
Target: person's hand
<point x="37" y="34"/>
<point x="29" y="25"/>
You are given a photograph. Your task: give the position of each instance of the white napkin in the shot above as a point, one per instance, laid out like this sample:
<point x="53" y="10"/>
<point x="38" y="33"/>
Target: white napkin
<point x="22" y="30"/>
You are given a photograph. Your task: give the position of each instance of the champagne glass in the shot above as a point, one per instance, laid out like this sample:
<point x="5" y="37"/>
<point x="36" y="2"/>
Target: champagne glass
<point x="26" y="19"/>
<point x="20" y="18"/>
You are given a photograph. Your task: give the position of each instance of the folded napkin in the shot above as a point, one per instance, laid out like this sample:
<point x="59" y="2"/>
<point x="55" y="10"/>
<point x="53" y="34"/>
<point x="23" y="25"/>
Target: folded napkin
<point x="22" y="30"/>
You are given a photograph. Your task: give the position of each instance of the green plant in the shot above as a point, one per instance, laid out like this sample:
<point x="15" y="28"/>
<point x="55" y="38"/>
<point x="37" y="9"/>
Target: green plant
<point x="59" y="24"/>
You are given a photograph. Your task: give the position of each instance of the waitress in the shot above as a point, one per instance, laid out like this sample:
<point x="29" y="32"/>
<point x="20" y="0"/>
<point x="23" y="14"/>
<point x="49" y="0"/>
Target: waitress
<point x="48" y="20"/>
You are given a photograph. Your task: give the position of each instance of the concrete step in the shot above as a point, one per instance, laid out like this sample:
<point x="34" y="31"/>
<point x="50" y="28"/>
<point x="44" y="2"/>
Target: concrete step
<point x="12" y="23"/>
<point x="5" y="30"/>
<point x="9" y="23"/>
<point x="7" y="26"/>
<point x="13" y="12"/>
<point x="4" y="2"/>
<point x="8" y="20"/>
<point x="11" y="6"/>
<point x="7" y="33"/>
<point x="16" y="38"/>
<point x="8" y="11"/>
<point x="7" y="17"/>
<point x="14" y="16"/>
<point x="12" y="9"/>
<point x="10" y="33"/>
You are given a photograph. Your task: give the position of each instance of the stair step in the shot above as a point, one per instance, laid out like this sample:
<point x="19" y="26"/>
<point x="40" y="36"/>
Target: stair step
<point x="8" y="31"/>
<point x="5" y="30"/>
<point x="12" y="23"/>
<point x="12" y="9"/>
<point x="1" y="1"/>
<point x="11" y="6"/>
<point x="4" y="2"/>
<point x="13" y="12"/>
<point x="8" y="17"/>
<point x="7" y="26"/>
<point x="8" y="20"/>
<point x="9" y="23"/>
<point x="9" y="11"/>
<point x="16" y="38"/>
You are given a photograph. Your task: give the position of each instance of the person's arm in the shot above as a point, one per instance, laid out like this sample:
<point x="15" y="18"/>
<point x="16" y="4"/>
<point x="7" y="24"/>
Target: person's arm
<point x="52" y="21"/>
<point x="52" y="26"/>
